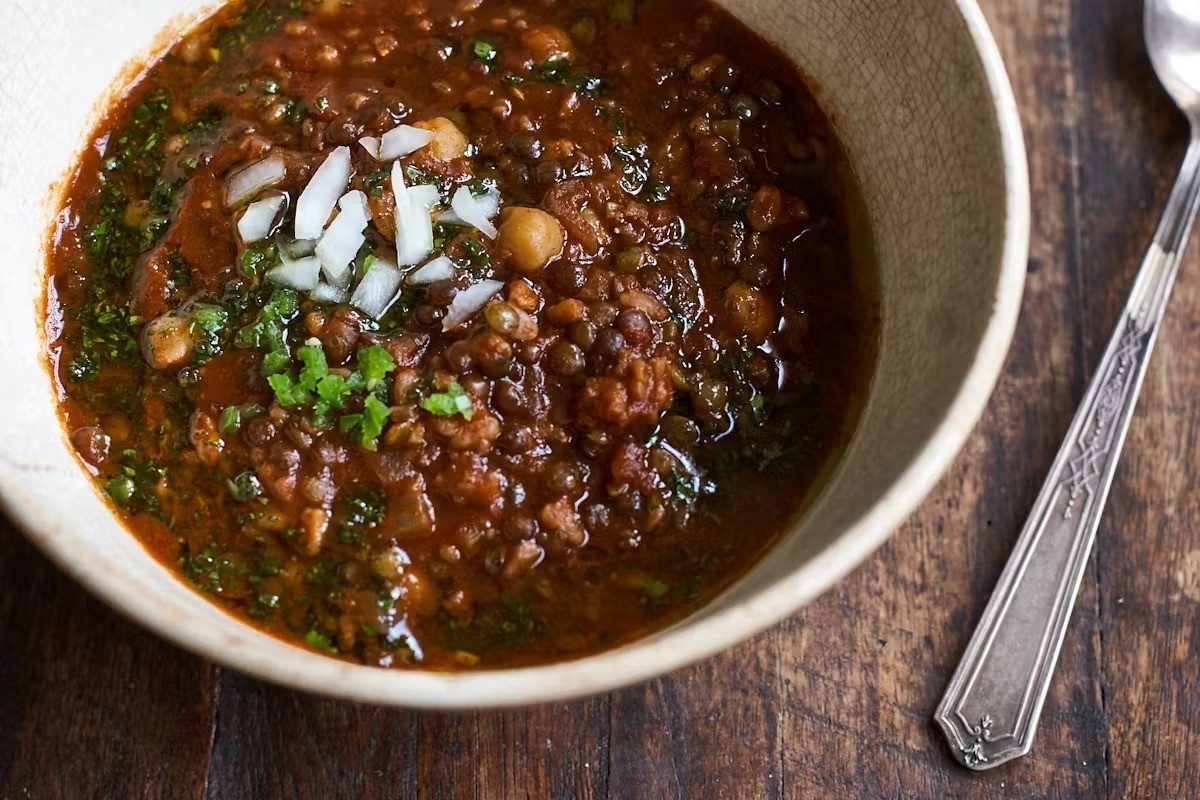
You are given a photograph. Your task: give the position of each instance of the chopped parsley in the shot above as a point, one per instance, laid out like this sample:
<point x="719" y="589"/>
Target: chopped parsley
<point x="448" y="403"/>
<point x="137" y="149"/>
<point x="657" y="193"/>
<point x="269" y="332"/>
<point x="259" y="258"/>
<point x="106" y="328"/>
<point x="208" y="323"/>
<point x="482" y="50"/>
<point x="106" y="334"/>
<point x="320" y="640"/>
<point x="365" y="428"/>
<point x="733" y="206"/>
<point x="374" y="182"/>
<point x="423" y="177"/>
<point x="211" y="571"/>
<point x="328" y="393"/>
<point x="245" y="487"/>
<point x="656" y="590"/>
<point x="375" y="364"/>
<point x="559" y="71"/>
<point x="508" y="625"/>
<point x="233" y="417"/>
<point x="133" y="487"/>
<point x="474" y="257"/>
<point x="364" y="510"/>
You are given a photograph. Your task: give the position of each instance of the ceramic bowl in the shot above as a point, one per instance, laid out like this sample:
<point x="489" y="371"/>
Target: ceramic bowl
<point x="920" y="97"/>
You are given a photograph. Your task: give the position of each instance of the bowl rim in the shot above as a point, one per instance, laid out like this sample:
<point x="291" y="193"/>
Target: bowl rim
<point x="686" y="644"/>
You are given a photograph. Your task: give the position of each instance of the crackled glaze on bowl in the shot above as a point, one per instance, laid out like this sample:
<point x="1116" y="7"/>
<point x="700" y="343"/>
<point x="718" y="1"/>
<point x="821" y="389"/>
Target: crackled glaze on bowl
<point x="919" y="96"/>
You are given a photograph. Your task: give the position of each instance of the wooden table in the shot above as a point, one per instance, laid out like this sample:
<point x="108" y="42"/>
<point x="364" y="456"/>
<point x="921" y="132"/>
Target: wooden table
<point x="836" y="702"/>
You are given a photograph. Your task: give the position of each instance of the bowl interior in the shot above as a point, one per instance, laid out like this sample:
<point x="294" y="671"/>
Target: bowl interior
<point x="925" y="112"/>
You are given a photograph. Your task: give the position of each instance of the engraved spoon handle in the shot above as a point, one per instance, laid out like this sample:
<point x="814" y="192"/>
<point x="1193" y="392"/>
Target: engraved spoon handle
<point x="990" y="710"/>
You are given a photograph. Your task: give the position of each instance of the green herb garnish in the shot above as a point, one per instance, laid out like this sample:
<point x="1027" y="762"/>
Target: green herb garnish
<point x="245" y="487"/>
<point x="374" y="182"/>
<point x="258" y="258"/>
<point x="365" y="428"/>
<point x="320" y="640"/>
<point x="733" y="206"/>
<point x="233" y="417"/>
<point x="482" y="50"/>
<point x="559" y="71"/>
<point x="446" y="404"/>
<point x="656" y="590"/>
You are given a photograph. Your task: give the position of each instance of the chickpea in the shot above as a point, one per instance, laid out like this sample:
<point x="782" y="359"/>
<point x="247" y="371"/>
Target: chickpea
<point x="93" y="444"/>
<point x="765" y="209"/>
<point x="530" y="237"/>
<point x="206" y="439"/>
<point x="167" y="342"/>
<point x="547" y="42"/>
<point x="750" y="310"/>
<point x="420" y="592"/>
<point x="448" y="142"/>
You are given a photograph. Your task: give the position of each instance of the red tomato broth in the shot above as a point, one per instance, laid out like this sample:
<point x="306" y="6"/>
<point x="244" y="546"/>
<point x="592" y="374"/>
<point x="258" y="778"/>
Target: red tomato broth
<point x="701" y="346"/>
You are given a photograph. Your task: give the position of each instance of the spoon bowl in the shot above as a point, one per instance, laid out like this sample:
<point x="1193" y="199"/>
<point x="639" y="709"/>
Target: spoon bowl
<point x="1173" y="40"/>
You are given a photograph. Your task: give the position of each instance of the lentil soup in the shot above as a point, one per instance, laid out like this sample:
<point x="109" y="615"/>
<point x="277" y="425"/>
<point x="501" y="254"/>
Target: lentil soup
<point x="462" y="334"/>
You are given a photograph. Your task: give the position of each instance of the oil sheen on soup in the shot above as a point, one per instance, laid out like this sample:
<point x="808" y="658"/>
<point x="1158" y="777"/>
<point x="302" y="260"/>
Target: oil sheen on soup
<point x="462" y="335"/>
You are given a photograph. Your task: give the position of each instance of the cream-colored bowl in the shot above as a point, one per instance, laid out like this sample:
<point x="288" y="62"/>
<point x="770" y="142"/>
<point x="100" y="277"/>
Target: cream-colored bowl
<point x="920" y="97"/>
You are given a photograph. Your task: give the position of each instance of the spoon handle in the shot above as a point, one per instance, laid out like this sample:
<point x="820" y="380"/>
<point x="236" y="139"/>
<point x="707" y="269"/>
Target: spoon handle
<point x="990" y="710"/>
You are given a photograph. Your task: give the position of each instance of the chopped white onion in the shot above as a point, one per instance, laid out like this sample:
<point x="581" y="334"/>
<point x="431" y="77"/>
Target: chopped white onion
<point x="258" y="220"/>
<point x="246" y="183"/>
<point x="358" y="199"/>
<point x="324" y="293"/>
<point x="448" y="216"/>
<point x="371" y="145"/>
<point x="477" y="211"/>
<point x="301" y="274"/>
<point x="468" y="302"/>
<point x="321" y="195"/>
<point x="414" y="227"/>
<point x="377" y="290"/>
<point x="403" y="141"/>
<point x="439" y="269"/>
<point x="343" y="238"/>
<point x="427" y="196"/>
<point x="295" y="248"/>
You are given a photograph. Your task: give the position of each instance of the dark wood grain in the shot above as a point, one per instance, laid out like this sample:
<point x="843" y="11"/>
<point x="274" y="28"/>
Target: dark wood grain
<point x="835" y="702"/>
<point x="1149" y="566"/>
<point x="90" y="705"/>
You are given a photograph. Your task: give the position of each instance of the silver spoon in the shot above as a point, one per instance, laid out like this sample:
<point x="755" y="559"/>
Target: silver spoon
<point x="990" y="710"/>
